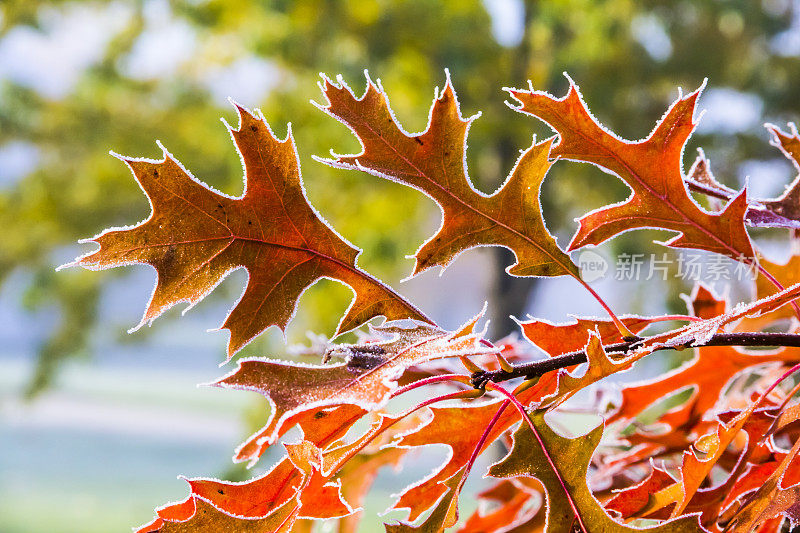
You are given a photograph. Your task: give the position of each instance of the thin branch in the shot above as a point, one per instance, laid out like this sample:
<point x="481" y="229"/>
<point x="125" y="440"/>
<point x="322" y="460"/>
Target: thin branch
<point x="538" y="368"/>
<point x="705" y="189"/>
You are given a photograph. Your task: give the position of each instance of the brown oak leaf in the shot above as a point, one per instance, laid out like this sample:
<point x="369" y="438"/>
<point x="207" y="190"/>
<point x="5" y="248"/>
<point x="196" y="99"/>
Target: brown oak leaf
<point x="788" y="204"/>
<point x="787" y="274"/>
<point x="434" y="163"/>
<point x="196" y="236"/>
<point x="366" y="379"/>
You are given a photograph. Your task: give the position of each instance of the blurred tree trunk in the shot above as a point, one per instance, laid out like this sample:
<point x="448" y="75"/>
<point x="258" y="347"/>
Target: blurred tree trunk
<point x="509" y="296"/>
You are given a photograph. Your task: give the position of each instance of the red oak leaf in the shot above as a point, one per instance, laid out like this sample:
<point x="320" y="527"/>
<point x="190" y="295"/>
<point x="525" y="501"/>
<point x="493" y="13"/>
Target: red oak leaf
<point x="196" y="236"/>
<point x="652" y="168"/>
<point x="433" y="162"/>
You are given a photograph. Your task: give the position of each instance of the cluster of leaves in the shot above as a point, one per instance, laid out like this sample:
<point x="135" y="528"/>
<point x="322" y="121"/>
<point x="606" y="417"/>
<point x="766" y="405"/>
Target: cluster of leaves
<point x="607" y="45"/>
<point x="723" y="459"/>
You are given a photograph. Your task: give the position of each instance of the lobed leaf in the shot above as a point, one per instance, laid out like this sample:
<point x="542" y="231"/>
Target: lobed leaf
<point x="707" y="372"/>
<point x="787" y="274"/>
<point x="651" y="167"/>
<point x="772" y="500"/>
<point x="365" y="380"/>
<point x="196" y="236"/>
<point x="569" y="500"/>
<point x="460" y="429"/>
<point x="734" y="474"/>
<point x="513" y="510"/>
<point x="294" y="488"/>
<point x="558" y="339"/>
<point x="788" y="204"/>
<point x="434" y="162"/>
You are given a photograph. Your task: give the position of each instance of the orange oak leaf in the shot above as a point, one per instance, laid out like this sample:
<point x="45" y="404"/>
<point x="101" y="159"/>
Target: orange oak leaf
<point x="731" y="459"/>
<point x="700" y="173"/>
<point x="513" y="510"/>
<point x="196" y="236"/>
<point x="557" y="339"/>
<point x="706" y="453"/>
<point x="569" y="500"/>
<point x="629" y="501"/>
<point x="648" y="442"/>
<point x="774" y="498"/>
<point x="753" y="477"/>
<point x="599" y="366"/>
<point x="319" y="427"/>
<point x="434" y="163"/>
<point x="444" y="515"/>
<point x="294" y="488"/>
<point x="756" y="476"/>
<point x="357" y="476"/>
<point x="619" y="467"/>
<point x="366" y="379"/>
<point x="707" y="374"/>
<point x="789" y="416"/>
<point x="787" y="274"/>
<point x="568" y="381"/>
<point x="699" y="332"/>
<point x="710" y="500"/>
<point x="320" y="497"/>
<point x="591" y="335"/>
<point x="308" y="475"/>
<point x="460" y="429"/>
<point x="652" y="168"/>
<point x="781" y="212"/>
<point x="205" y="518"/>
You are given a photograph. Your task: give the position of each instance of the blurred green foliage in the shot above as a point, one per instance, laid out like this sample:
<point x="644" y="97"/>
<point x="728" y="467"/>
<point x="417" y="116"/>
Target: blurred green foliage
<point x="628" y="57"/>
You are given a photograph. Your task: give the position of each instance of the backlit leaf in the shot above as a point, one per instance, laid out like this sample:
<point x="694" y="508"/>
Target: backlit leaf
<point x="196" y="236"/>
<point x="365" y="379"/>
<point x="434" y="162"/>
<point x="652" y="168"/>
<point x="561" y="465"/>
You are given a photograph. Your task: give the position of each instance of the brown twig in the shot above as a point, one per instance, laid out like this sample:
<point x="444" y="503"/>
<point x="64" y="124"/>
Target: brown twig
<point x="538" y="368"/>
<point x="705" y="189"/>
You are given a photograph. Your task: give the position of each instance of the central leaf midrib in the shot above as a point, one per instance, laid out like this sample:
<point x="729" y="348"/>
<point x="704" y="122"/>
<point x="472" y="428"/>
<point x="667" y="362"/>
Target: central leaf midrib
<point x="350" y="268"/>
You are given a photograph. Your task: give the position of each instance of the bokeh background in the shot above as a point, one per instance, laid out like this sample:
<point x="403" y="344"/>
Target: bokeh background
<point x="96" y="424"/>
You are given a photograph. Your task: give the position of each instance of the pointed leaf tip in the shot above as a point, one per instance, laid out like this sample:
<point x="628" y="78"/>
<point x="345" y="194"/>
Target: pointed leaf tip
<point x="651" y="167"/>
<point x="433" y="162"/>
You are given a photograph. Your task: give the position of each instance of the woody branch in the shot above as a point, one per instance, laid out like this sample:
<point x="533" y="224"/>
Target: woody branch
<point x="538" y="368"/>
